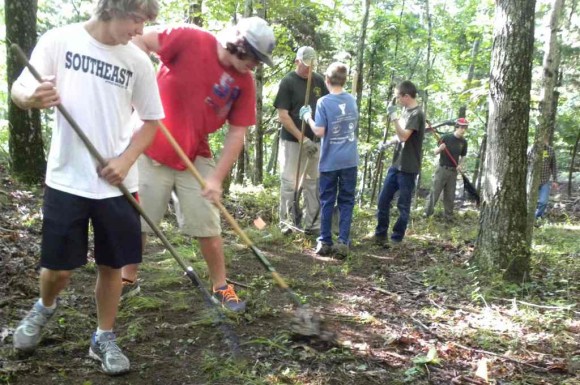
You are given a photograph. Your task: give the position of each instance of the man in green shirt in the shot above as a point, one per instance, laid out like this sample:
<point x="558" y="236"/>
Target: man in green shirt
<point x="290" y="98"/>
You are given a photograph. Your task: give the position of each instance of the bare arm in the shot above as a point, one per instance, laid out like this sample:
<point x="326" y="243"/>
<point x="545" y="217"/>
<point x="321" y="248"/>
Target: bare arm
<point x="149" y="41"/>
<point x="318" y="130"/>
<point x="402" y="133"/>
<point x="232" y="147"/>
<point x="44" y="95"/>
<point x="117" y="168"/>
<point x="288" y="123"/>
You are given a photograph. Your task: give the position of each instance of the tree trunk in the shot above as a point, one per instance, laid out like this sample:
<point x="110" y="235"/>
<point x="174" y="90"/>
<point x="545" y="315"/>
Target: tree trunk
<point x="193" y="13"/>
<point x="241" y="163"/>
<point x="258" y="176"/>
<point x="27" y="158"/>
<point x="478" y="169"/>
<point x="548" y="107"/>
<point x="474" y="52"/>
<point x="572" y="163"/>
<point x="369" y="125"/>
<point x="479" y="162"/>
<point x="360" y="54"/>
<point x="273" y="161"/>
<point x="428" y="60"/>
<point x="502" y="241"/>
<point x="426" y="91"/>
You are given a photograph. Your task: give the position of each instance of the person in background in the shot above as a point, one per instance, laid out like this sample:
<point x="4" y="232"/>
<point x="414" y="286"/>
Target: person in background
<point x="100" y="77"/>
<point x="336" y="122"/>
<point x="205" y="81"/>
<point x="549" y="170"/>
<point x="289" y="99"/>
<point x="410" y="129"/>
<point x="445" y="178"/>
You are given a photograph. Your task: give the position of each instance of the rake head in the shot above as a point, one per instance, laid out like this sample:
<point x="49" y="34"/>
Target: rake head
<point x="310" y="325"/>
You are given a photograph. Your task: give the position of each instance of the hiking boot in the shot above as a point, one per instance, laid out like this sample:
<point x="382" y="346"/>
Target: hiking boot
<point x="227" y="296"/>
<point x="323" y="249"/>
<point x="27" y="334"/>
<point x="105" y="349"/>
<point x="380" y="240"/>
<point x="130" y="289"/>
<point x="312" y="232"/>
<point x="340" y="250"/>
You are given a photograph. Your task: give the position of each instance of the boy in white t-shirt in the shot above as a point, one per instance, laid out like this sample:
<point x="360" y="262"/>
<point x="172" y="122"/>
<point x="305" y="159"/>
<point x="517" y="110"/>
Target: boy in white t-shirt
<point x="100" y="77"/>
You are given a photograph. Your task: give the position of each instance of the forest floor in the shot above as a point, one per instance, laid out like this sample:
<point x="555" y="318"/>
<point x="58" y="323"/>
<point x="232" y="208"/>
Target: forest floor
<point x="414" y="314"/>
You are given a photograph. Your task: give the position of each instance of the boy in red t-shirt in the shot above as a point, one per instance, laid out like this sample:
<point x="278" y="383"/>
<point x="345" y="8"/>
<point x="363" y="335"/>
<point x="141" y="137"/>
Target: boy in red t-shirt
<point x="204" y="81"/>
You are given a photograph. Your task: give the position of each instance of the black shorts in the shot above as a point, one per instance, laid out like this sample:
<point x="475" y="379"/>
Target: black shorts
<point x="65" y="231"/>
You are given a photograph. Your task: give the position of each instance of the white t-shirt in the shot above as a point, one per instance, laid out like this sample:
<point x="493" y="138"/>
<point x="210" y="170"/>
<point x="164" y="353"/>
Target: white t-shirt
<point x="99" y="86"/>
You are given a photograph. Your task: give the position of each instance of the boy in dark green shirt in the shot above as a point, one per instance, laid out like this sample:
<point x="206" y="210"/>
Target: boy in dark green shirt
<point x="446" y="175"/>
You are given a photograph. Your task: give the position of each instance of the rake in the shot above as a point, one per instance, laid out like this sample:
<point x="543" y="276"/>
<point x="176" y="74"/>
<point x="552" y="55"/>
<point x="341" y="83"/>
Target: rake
<point x="231" y="337"/>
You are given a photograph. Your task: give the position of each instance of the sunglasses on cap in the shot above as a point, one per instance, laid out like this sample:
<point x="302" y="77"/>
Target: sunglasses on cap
<point x="247" y="52"/>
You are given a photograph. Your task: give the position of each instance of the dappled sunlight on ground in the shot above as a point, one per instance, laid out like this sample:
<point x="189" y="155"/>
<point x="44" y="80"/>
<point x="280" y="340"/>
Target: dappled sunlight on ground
<point x="416" y="313"/>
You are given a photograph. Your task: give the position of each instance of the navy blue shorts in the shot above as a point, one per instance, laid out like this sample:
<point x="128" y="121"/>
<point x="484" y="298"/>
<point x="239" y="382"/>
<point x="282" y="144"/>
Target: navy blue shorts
<point x="65" y="231"/>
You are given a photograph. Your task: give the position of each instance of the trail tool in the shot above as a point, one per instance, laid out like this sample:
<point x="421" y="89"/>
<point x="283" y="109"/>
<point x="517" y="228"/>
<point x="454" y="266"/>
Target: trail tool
<point x="220" y="319"/>
<point x="467" y="185"/>
<point x="305" y="321"/>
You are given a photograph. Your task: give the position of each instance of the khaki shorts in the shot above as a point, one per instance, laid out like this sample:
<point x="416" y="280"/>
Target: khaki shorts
<point x="196" y="215"/>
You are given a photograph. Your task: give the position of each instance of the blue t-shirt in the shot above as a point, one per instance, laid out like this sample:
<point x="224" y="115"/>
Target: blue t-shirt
<point x="338" y="115"/>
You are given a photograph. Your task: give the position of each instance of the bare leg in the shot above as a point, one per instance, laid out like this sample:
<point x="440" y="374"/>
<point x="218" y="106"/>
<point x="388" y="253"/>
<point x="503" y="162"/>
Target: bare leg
<point x="213" y="253"/>
<point x="129" y="272"/>
<point x="107" y="294"/>
<point x="51" y="284"/>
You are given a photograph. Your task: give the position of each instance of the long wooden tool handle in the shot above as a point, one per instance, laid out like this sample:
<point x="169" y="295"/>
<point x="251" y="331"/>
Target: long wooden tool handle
<point x="302" y="130"/>
<point x="445" y="149"/>
<point x="189" y="164"/>
<point x="229" y="218"/>
<point x="231" y="337"/>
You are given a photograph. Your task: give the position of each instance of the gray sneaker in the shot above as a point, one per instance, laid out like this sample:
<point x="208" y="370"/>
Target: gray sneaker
<point x="27" y="334"/>
<point x="323" y="249"/>
<point x="106" y="350"/>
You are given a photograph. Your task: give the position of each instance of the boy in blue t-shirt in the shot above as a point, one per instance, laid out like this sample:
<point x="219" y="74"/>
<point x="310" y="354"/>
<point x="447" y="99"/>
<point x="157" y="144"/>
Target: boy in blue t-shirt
<point x="336" y="123"/>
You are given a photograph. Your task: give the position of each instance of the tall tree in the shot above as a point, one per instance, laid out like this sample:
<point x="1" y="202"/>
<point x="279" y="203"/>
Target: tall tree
<point x="548" y="105"/>
<point x="502" y="241"/>
<point x="258" y="174"/>
<point x="243" y="158"/>
<point x="27" y="159"/>
<point x="360" y="53"/>
<point x="474" y="52"/>
<point x="193" y="13"/>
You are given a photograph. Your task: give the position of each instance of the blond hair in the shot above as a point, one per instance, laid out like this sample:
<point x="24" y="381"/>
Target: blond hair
<point x="108" y="9"/>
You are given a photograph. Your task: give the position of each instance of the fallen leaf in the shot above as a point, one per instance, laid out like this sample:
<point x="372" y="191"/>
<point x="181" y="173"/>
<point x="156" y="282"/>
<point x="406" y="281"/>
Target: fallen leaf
<point x="481" y="371"/>
<point x="557" y="367"/>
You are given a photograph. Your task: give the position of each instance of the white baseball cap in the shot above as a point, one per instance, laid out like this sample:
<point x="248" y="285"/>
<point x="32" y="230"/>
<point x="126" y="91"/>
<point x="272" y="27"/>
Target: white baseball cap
<point x="259" y="36"/>
<point x="306" y="55"/>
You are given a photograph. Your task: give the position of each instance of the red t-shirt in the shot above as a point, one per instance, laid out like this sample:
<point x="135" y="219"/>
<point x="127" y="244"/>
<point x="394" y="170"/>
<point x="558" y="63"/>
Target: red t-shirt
<point x="198" y="94"/>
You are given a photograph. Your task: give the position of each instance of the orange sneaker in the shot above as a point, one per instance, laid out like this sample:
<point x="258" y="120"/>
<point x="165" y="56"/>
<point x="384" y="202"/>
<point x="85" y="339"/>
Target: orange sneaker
<point x="227" y="296"/>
